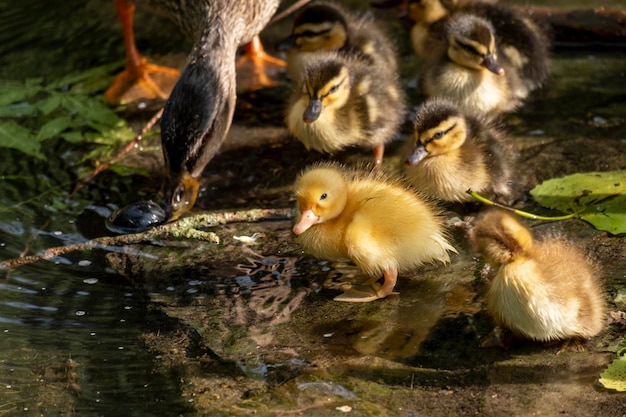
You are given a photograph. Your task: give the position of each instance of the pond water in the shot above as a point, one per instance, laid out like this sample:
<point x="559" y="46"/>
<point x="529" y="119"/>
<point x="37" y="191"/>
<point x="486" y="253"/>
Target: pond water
<point x="102" y="333"/>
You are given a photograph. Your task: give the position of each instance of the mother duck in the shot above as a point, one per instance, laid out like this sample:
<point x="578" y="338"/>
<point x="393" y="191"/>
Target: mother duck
<point x="199" y="111"/>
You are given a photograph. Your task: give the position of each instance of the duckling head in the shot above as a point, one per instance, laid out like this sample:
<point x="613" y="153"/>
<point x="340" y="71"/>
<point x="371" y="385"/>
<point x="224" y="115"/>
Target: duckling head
<point x="471" y="43"/>
<point x="326" y="85"/>
<point x="501" y="237"/>
<point x="440" y="127"/>
<point x="319" y="27"/>
<point x="429" y="11"/>
<point x="321" y="194"/>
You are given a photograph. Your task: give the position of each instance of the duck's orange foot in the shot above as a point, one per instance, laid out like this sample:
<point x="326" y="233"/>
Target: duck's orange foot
<point x="256" y="69"/>
<point x="354" y="294"/>
<point x="145" y="81"/>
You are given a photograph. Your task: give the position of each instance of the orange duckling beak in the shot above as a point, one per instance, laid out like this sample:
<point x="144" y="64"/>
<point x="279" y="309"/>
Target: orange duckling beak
<point x="307" y="219"/>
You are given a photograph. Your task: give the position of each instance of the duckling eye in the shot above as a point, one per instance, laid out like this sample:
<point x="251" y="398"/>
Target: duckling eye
<point x="439" y="135"/>
<point x="323" y="196"/>
<point x="468" y="49"/>
<point x="333" y="89"/>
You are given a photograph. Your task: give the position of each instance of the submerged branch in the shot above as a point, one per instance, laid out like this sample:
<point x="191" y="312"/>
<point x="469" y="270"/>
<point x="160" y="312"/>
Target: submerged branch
<point x="186" y="228"/>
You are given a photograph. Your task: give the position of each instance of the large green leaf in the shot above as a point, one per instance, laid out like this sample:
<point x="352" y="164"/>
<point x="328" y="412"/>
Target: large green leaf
<point x="614" y="377"/>
<point x="597" y="197"/>
<point x="12" y="92"/>
<point x="17" y="137"/>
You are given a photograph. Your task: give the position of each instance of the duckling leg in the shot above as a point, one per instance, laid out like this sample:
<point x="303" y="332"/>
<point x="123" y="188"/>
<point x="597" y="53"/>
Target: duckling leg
<point x="140" y="79"/>
<point x="353" y="295"/>
<point x="379" y="151"/>
<point x="254" y="65"/>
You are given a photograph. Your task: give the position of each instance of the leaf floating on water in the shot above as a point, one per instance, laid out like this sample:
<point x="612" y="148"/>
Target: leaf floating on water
<point x="614" y="377"/>
<point x="598" y="197"/>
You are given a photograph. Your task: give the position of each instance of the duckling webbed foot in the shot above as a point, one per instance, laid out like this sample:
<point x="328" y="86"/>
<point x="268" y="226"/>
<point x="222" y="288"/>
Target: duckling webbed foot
<point x="354" y="295"/>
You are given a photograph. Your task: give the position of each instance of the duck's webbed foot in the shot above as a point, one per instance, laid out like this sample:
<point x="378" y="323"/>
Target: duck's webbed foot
<point x="140" y="79"/>
<point x="256" y="67"/>
<point x="375" y="291"/>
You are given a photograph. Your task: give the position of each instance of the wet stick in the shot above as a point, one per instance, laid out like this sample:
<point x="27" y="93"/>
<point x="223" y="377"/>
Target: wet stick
<point x="186" y="228"/>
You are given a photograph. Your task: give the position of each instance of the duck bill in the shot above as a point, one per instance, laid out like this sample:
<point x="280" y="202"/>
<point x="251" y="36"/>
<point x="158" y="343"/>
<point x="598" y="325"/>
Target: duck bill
<point x="307" y="219"/>
<point x="312" y="111"/>
<point x="418" y="154"/>
<point x="182" y="197"/>
<point x="492" y="65"/>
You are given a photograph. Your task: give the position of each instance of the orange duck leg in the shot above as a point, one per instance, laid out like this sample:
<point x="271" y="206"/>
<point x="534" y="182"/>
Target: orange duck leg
<point x="254" y="67"/>
<point x="140" y="79"/>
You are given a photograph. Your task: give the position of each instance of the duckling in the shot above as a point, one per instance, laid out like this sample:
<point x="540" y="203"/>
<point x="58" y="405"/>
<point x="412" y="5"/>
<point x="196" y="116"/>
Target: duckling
<point x="520" y="38"/>
<point x="344" y="101"/>
<point x="543" y="290"/>
<point x="373" y="220"/>
<point x="470" y="71"/>
<point x="327" y="26"/>
<point x="456" y="151"/>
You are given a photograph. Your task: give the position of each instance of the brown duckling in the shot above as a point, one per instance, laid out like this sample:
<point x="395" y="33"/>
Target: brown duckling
<point x="373" y="220"/>
<point x="521" y="39"/>
<point x="456" y="151"/>
<point x="544" y="290"/>
<point x="345" y="101"/>
<point x="328" y="26"/>
<point x="470" y="70"/>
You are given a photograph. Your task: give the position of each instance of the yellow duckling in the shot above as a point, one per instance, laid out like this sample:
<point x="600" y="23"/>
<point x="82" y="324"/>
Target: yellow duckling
<point x="327" y="26"/>
<point x="344" y="101"/>
<point x="544" y="290"/>
<point x="470" y="70"/>
<point x="520" y="38"/>
<point x="455" y="152"/>
<point x="376" y="222"/>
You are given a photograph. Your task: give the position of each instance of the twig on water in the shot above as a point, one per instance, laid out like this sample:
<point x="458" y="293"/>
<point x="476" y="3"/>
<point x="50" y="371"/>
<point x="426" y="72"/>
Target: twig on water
<point x="185" y="228"/>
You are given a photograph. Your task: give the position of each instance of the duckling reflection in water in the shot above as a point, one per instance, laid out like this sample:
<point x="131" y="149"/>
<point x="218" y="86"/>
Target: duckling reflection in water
<point x="544" y="290"/>
<point x="328" y="26"/>
<point x="344" y="101"/>
<point x="455" y="151"/>
<point x="369" y="218"/>
<point x="469" y="69"/>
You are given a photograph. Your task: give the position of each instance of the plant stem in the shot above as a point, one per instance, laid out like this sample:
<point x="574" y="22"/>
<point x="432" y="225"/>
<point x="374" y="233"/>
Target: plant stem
<point x="525" y="214"/>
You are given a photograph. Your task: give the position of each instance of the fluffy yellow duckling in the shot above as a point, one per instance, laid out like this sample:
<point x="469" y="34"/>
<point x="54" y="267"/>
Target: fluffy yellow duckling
<point x="327" y="26"/>
<point x="470" y="70"/>
<point x="521" y="39"/>
<point x="344" y="101"/>
<point x="376" y="222"/>
<point x="544" y="290"/>
<point x="455" y="152"/>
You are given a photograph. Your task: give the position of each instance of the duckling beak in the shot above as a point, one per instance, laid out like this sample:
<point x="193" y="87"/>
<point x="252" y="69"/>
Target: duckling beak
<point x="182" y="198"/>
<point x="489" y="62"/>
<point x="312" y="111"/>
<point x="418" y="154"/>
<point x="307" y="219"/>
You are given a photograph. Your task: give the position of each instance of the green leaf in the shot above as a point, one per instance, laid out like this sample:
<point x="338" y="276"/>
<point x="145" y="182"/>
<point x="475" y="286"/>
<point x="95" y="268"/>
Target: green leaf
<point x="49" y="104"/>
<point x="15" y="136"/>
<point x="103" y="71"/>
<point x="12" y="92"/>
<point x="598" y="197"/>
<point x="90" y="108"/>
<point x="54" y="127"/>
<point x="18" y="110"/>
<point x="614" y="377"/>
